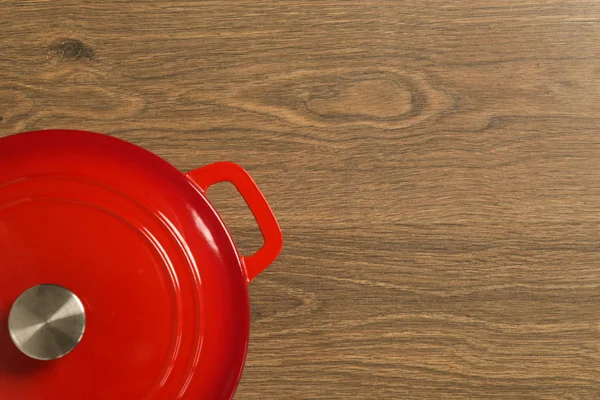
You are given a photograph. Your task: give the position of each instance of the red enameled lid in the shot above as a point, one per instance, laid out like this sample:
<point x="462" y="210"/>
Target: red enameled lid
<point x="163" y="287"/>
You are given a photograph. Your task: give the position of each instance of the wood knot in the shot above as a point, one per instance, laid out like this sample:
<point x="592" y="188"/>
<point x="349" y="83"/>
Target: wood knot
<point x="365" y="98"/>
<point x="381" y="97"/>
<point x="72" y="50"/>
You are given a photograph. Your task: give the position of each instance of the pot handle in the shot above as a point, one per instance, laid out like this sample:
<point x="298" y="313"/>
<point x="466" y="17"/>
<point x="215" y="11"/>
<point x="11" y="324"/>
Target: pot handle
<point x="207" y="176"/>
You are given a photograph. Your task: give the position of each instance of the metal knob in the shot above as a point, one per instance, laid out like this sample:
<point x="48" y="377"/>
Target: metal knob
<point x="47" y="322"/>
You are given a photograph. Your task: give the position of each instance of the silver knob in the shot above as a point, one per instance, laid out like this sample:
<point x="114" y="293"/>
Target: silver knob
<point x="47" y="322"/>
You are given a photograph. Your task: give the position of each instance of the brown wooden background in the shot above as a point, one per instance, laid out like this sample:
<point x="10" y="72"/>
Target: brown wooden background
<point x="434" y="166"/>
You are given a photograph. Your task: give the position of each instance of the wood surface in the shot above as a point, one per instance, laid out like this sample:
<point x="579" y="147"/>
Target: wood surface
<point x="434" y="166"/>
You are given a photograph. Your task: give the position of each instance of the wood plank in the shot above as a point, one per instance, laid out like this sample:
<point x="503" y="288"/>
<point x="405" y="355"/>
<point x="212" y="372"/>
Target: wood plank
<point x="434" y="166"/>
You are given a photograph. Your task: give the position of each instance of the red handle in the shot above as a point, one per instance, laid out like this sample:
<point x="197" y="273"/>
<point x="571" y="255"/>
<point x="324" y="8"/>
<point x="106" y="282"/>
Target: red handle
<point x="273" y="239"/>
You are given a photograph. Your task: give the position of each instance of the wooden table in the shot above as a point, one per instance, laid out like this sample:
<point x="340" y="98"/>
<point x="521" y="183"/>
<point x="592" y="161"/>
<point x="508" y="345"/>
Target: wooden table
<point x="434" y="166"/>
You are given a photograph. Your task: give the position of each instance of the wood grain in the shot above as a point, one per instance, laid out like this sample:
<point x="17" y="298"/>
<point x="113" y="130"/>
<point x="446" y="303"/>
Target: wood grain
<point x="433" y="164"/>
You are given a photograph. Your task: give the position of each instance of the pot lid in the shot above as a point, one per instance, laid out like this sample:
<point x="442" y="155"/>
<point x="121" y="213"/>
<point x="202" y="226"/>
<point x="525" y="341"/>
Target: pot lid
<point x="119" y="280"/>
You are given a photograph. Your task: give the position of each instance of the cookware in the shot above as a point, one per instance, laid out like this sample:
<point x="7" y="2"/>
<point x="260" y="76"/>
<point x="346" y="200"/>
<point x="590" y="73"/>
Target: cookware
<point x="118" y="279"/>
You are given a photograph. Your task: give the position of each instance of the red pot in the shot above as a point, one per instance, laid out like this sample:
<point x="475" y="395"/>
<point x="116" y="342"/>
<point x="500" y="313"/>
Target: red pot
<point x="161" y="286"/>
